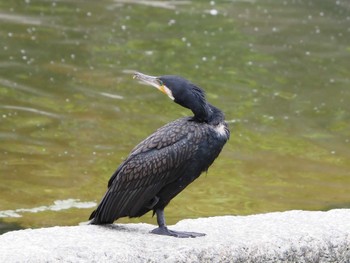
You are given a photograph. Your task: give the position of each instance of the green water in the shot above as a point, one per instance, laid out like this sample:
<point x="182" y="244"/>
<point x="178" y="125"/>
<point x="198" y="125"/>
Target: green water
<point x="70" y="111"/>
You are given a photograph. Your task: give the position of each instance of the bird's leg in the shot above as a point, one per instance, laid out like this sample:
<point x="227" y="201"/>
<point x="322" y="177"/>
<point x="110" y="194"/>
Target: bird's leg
<point x="162" y="229"/>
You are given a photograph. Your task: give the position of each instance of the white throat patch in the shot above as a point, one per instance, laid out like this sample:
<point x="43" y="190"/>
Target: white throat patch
<point x="168" y="92"/>
<point x="221" y="129"/>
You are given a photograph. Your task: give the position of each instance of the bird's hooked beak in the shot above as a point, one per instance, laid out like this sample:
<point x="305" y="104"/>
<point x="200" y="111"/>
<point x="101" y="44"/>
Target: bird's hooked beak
<point x="155" y="82"/>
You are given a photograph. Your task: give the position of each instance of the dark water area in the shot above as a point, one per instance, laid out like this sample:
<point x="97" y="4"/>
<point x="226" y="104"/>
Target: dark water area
<point x="70" y="111"/>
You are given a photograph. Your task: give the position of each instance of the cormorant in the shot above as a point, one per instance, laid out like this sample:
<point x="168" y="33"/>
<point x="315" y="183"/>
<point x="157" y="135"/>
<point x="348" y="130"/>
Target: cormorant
<point x="162" y="165"/>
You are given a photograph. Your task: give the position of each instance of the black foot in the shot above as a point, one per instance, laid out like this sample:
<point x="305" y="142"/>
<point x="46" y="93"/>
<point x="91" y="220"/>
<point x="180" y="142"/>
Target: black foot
<point x="166" y="232"/>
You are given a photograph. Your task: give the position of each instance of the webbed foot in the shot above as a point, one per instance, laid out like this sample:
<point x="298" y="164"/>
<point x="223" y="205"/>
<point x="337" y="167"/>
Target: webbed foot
<point x="166" y="232"/>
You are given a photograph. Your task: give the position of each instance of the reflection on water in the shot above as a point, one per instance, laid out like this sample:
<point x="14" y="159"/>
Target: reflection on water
<point x="70" y="111"/>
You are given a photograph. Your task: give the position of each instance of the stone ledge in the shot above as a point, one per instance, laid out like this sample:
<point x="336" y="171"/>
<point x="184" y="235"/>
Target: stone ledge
<point x="292" y="236"/>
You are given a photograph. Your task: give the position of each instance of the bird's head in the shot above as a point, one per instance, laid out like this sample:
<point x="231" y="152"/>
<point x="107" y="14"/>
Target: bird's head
<point x="180" y="91"/>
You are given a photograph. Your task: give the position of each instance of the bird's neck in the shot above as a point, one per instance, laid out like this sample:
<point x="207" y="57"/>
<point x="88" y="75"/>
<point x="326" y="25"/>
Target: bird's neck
<point x="209" y="114"/>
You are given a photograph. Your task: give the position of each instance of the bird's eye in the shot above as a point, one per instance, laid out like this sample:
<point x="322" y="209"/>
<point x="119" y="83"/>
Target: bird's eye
<point x="160" y="82"/>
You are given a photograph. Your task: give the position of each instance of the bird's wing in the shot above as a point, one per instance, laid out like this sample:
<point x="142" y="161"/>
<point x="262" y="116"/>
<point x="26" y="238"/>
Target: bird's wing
<point x="152" y="164"/>
<point x="170" y="135"/>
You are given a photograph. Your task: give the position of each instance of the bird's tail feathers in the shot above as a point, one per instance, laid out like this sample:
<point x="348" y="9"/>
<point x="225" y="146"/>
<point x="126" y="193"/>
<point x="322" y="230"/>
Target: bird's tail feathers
<point x="92" y="215"/>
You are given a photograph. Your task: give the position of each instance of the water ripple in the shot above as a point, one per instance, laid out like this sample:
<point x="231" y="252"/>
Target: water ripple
<point x="112" y="96"/>
<point x="27" y="109"/>
<point x="20" y="19"/>
<point x="161" y="4"/>
<point x="57" y="206"/>
<point x="21" y="87"/>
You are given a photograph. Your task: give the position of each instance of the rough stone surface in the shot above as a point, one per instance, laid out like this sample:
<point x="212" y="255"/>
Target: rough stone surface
<point x="293" y="236"/>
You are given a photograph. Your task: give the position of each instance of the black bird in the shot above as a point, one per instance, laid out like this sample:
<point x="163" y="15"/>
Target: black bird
<point x="162" y="165"/>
